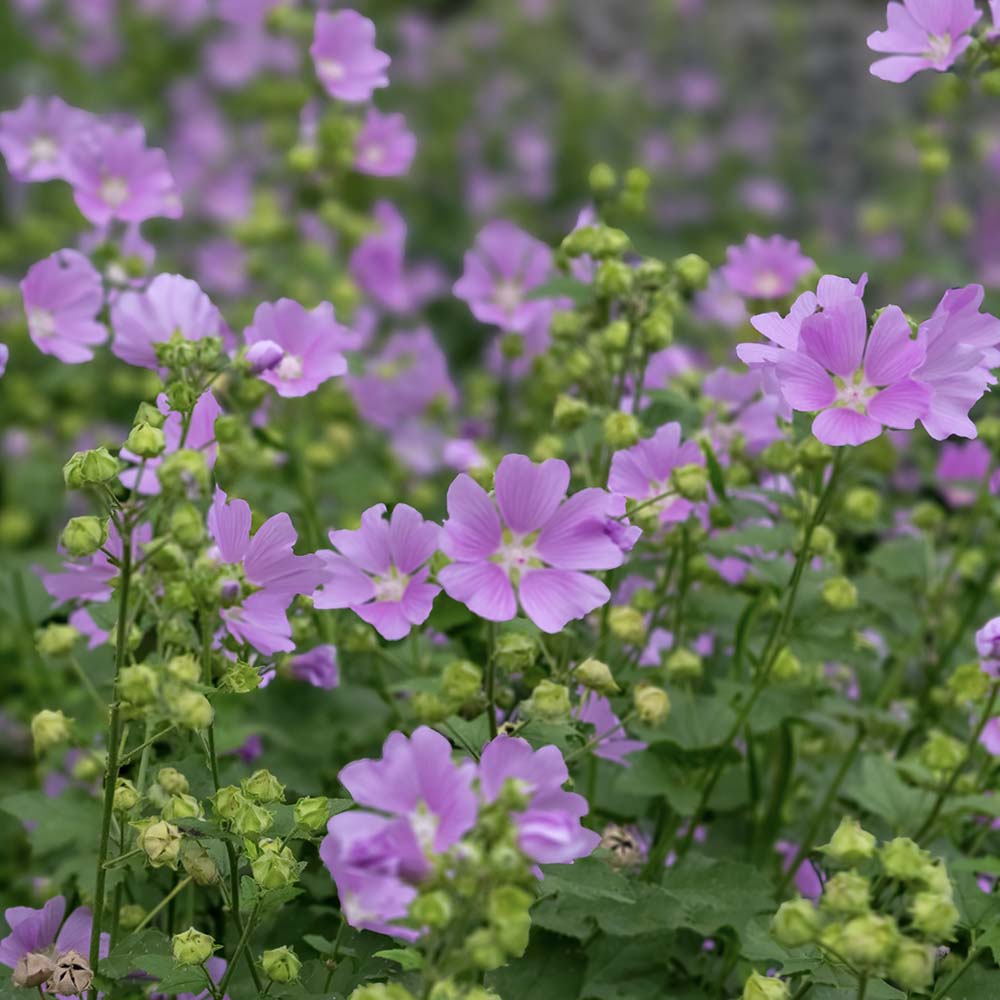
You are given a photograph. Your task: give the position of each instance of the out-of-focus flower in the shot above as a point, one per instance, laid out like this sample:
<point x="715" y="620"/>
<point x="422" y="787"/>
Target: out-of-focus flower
<point x="36" y="138"/>
<point x="765" y="268"/>
<point x="344" y="54"/>
<point x="317" y="667"/>
<point x="42" y="932"/>
<point x="385" y="146"/>
<point x="616" y="745"/>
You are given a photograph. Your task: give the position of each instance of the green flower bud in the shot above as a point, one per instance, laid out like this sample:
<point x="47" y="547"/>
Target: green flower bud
<point x="693" y="271"/>
<point x="387" y="991"/>
<point x="90" y="468"/>
<point x="656" y="331"/>
<point x="131" y="915"/>
<point x="913" y="965"/>
<point x="251" y="819"/>
<point x="934" y="915"/>
<point x="942" y="752"/>
<point x="869" y="940"/>
<point x="781" y="456"/>
<point x="191" y="709"/>
<point x="823" y="541"/>
<point x="934" y="877"/>
<point x="126" y="796"/>
<point x="566" y="325"/>
<point x="903" y="859"/>
<point x="146" y="441"/>
<point x="184" y="669"/>
<point x="83" y="536"/>
<point x="548" y="702"/>
<point x="182" y="471"/>
<point x="850" y="844"/>
<point x="275" y="867"/>
<point x="228" y="801"/>
<point x="628" y="624"/>
<point x="89" y="767"/>
<point x="484" y="950"/>
<point x="432" y="909"/>
<point x="569" y="413"/>
<point x="48" y="729"/>
<point x="613" y="279"/>
<point x="796" y="923"/>
<point x="161" y="842"/>
<point x="840" y="594"/>
<point x="814" y="454"/>
<point x="281" y="964"/>
<point x="198" y="863"/>
<point x="596" y="675"/>
<point x="683" y="665"/>
<point x="927" y="515"/>
<point x="602" y="179"/>
<point x="240" y="678"/>
<point x="969" y="682"/>
<point x="846" y="892"/>
<point x="787" y="667"/>
<point x="192" y="947"/>
<point x="187" y="525"/>
<point x="935" y="160"/>
<point x="759" y="987"/>
<point x="652" y="704"/>
<point x="971" y="565"/>
<point x="138" y="684"/>
<point x="690" y="481"/>
<point x="516" y="652"/>
<point x="429" y="708"/>
<point x="461" y="681"/>
<point x="181" y="807"/>
<point x="621" y="430"/>
<point x="263" y="786"/>
<point x="56" y="640"/>
<point x="149" y="414"/>
<point x="512" y="346"/>
<point x="863" y="504"/>
<point x="312" y="812"/>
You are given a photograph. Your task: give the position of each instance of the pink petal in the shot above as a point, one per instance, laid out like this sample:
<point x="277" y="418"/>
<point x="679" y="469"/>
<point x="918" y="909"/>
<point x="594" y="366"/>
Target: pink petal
<point x="901" y="405"/>
<point x="229" y="525"/>
<point x="483" y="587"/>
<point x="574" y="537"/>
<point x="891" y="353"/>
<point x="528" y="494"/>
<point x="472" y="530"/>
<point x="386" y="617"/>
<point x="368" y="546"/>
<point x="836" y="338"/>
<point x="344" y="585"/>
<point x="553" y="597"/>
<point x="840" y="425"/>
<point x="412" y="540"/>
<point x="804" y="383"/>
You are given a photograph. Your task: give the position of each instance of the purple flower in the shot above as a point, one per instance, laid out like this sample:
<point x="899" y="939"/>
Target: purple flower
<point x="171" y="305"/>
<point x="990" y="737"/>
<point x="36" y="138"/>
<point x="643" y="471"/>
<point x="858" y="387"/>
<point x="529" y="539"/>
<point x="961" y="470"/>
<point x="503" y="266"/>
<point x="39" y="931"/>
<point x="4" y="358"/>
<point x="263" y="356"/>
<point x="928" y="34"/>
<point x="116" y="176"/>
<point x="62" y="296"/>
<point x="408" y="375"/>
<point x="266" y="561"/>
<point x="317" y="667"/>
<point x="347" y="62"/>
<point x="765" y="268"/>
<point x="380" y="572"/>
<point x="84" y="623"/>
<point x="385" y="146"/>
<point x="988" y="640"/>
<point x="718" y="303"/>
<point x="961" y="347"/>
<point x="596" y="710"/>
<point x="313" y="342"/>
<point x="806" y="880"/>
<point x="549" y="830"/>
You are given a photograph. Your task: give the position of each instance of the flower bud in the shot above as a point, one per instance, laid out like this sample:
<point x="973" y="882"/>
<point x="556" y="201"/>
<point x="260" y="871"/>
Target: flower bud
<point x="187" y="525"/>
<point x="32" y="969"/>
<point x="131" y="915"/>
<point x="228" y="801"/>
<point x="796" y="923"/>
<point x="596" y="675"/>
<point x="693" y="271"/>
<point x="262" y="786"/>
<point x="683" y="665"/>
<point x="429" y="708"/>
<point x="83" y="536"/>
<point x="146" y="441"/>
<point x="90" y="468"/>
<point x="613" y="279"/>
<point x="628" y="624"/>
<point x="780" y="456"/>
<point x="656" y="331"/>
<point x="942" y="752"/>
<point x="569" y="413"/>
<point x="181" y="807"/>
<point x="184" y="669"/>
<point x="971" y="565"/>
<point x="786" y="667"/>
<point x="281" y="964"/>
<point x="863" y="504"/>
<point x="126" y="796"/>
<point x="391" y="991"/>
<point x="275" y="867"/>
<point x="312" y="812"/>
<point x="759" y="987"/>
<point x="192" y="947"/>
<point x="182" y="471"/>
<point x="850" y="844"/>
<point x="138" y="684"/>
<point x="161" y="842"/>
<point x="913" y="965"/>
<point x="869" y="940"/>
<point x="846" y="892"/>
<point x="461" y="681"/>
<point x="927" y="515"/>
<point x="840" y="594"/>
<point x="191" y="709"/>
<point x="934" y="915"/>
<point x="690" y="481"/>
<point x="484" y="950"/>
<point x="56" y="640"/>
<point x="902" y="858"/>
<point x="969" y="683"/>
<point x="172" y="781"/>
<point x="823" y="541"/>
<point x="516" y="652"/>
<point x="433" y="909"/>
<point x="621" y="430"/>
<point x="263" y="356"/>
<point x="149" y="414"/>
<point x="199" y="864"/>
<point x="48" y="729"/>
<point x="548" y="702"/>
<point x="602" y="178"/>
<point x="72" y="975"/>
<point x="652" y="704"/>
<point x="251" y="819"/>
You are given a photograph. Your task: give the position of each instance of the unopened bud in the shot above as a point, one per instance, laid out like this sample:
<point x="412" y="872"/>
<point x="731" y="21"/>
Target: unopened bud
<point x="850" y="844"/>
<point x="652" y="704"/>
<point x="628" y="624"/>
<point x="839" y="594"/>
<point x="56" y="640"/>
<point x="172" y="781"/>
<point x="569" y="413"/>
<point x="126" y="796"/>
<point x="161" y="842"/>
<point x="263" y="786"/>
<point x="312" y="812"/>
<point x="48" y="729"/>
<point x="846" y="893"/>
<point x="281" y="964"/>
<point x="690" y="481"/>
<point x="192" y="947"/>
<point x="548" y="702"/>
<point x="913" y="965"/>
<point x="433" y="909"/>
<point x="138" y="684"/>
<point x="146" y="441"/>
<point x="191" y="709"/>
<point x="902" y="858"/>
<point x="787" y="667"/>
<point x="461" y="681"/>
<point x="516" y="652"/>
<point x="934" y="915"/>
<point x="32" y="969"/>
<point x="187" y="525"/>
<point x="869" y="940"/>
<point x="863" y="504"/>
<point x="621" y="430"/>
<point x="596" y="675"/>
<point x="181" y="807"/>
<point x="83" y="536"/>
<point x="199" y="864"/>
<point x="683" y="665"/>
<point x="796" y="923"/>
<point x="90" y="468"/>
<point x="759" y="987"/>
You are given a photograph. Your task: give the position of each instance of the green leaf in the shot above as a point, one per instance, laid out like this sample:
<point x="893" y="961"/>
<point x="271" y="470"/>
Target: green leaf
<point x="57" y="822"/>
<point x="634" y="969"/>
<point x="551" y="969"/>
<point x="409" y="958"/>
<point x="718" y="894"/>
<point x="134" y="953"/>
<point x="883" y="793"/>
<point x="715" y="474"/>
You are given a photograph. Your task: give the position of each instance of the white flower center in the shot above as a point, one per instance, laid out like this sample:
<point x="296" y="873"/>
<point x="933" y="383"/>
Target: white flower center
<point x="42" y="323"/>
<point x="43" y="149"/>
<point x="289" y="367"/>
<point x="331" y="69"/>
<point x="391" y="588"/>
<point x="938" y="47"/>
<point x="508" y="294"/>
<point x="768" y="284"/>
<point x="854" y="393"/>
<point x="424" y="825"/>
<point x="374" y="155"/>
<point x="114" y="190"/>
<point x="517" y="554"/>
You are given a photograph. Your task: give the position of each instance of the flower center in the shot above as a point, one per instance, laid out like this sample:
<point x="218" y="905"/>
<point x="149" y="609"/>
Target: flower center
<point x="42" y="323"/>
<point x="424" y="825"/>
<point x="43" y="149"/>
<point x="289" y="367"/>
<point x="938" y="47"/>
<point x="507" y="295"/>
<point x="768" y="284"/>
<point x="392" y="587"/>
<point x="114" y="190"/>
<point x="854" y="395"/>
<point x="331" y="69"/>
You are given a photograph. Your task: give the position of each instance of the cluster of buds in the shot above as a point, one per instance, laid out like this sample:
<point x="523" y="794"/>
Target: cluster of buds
<point x="242" y="807"/>
<point x="459" y="691"/>
<point x="897" y="941"/>
<point x="170" y="690"/>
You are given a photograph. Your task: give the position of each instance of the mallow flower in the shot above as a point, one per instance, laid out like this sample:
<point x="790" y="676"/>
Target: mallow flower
<point x="36" y="138"/>
<point x="384" y="147"/>
<point x="595" y="710"/>
<point x="62" y="296"/>
<point x="344" y="54"/>
<point x="924" y="34"/>
<point x="528" y="543"/>
<point x="380" y="570"/>
<point x="765" y="268"/>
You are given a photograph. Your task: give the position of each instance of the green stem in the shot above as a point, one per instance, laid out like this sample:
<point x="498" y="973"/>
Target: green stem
<point x="167" y="899"/>
<point x="862" y="986"/>
<point x="240" y="947"/>
<point x="491" y="670"/>
<point x="942" y="991"/>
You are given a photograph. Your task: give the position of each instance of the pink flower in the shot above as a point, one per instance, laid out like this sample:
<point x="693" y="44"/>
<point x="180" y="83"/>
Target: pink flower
<point x="313" y="342"/>
<point x="385" y="146"/>
<point x="170" y="305"/>
<point x="116" y="176"/>
<point x="62" y="296"/>
<point x="36" y="138"/>
<point x="928" y="34"/>
<point x="858" y="388"/>
<point x="765" y="268"/>
<point x="381" y="570"/>
<point x="344" y="54"/>
<point x="529" y="543"/>
<point x="596" y="711"/>
<point x="990" y="737"/>
<point x="43" y="930"/>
